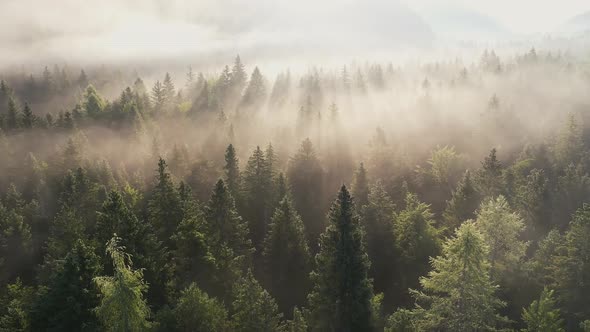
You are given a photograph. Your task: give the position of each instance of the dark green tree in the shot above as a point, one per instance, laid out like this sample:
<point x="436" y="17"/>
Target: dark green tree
<point x="232" y="171"/>
<point x="305" y="176"/>
<point x="68" y="301"/>
<point x="342" y="291"/>
<point x="360" y="187"/>
<point x="196" y="311"/>
<point x="489" y="176"/>
<point x="462" y="205"/>
<point x="164" y="206"/>
<point x="253" y="309"/>
<point x="287" y="258"/>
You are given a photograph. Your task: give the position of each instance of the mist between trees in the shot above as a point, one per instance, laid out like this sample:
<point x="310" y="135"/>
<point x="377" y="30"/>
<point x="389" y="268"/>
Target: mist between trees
<point x="446" y="196"/>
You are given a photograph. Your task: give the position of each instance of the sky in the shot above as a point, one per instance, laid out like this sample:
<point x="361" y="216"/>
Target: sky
<point x="74" y="30"/>
<point x="520" y="16"/>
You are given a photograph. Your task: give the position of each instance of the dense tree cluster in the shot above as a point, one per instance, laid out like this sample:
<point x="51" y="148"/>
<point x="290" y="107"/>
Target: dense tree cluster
<point x="229" y="204"/>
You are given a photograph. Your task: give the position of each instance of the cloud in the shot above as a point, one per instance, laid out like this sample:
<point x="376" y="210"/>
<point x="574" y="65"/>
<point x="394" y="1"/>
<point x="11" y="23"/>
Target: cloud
<point x="121" y="30"/>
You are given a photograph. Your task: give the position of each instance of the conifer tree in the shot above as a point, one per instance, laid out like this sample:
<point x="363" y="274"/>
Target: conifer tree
<point x="256" y="91"/>
<point x="501" y="229"/>
<point x="305" y="176"/>
<point x="458" y="294"/>
<point x="462" y="205"/>
<point x="15" y="307"/>
<point x="416" y="240"/>
<point x="287" y="258"/>
<point x="257" y="195"/>
<point x="238" y="76"/>
<point x="489" y="177"/>
<point x="12" y="116"/>
<point x="571" y="266"/>
<point x="196" y="311"/>
<point x="253" y="309"/>
<point x="297" y="324"/>
<point x="139" y="241"/>
<point x="232" y="170"/>
<point x="28" y="117"/>
<point x="122" y="306"/>
<point x="227" y="237"/>
<point x="164" y="206"/>
<point x="342" y="291"/>
<point x="542" y="316"/>
<point x="377" y="217"/>
<point x="168" y="90"/>
<point x="360" y="187"/>
<point x="93" y="103"/>
<point x="15" y="244"/>
<point x="68" y="302"/>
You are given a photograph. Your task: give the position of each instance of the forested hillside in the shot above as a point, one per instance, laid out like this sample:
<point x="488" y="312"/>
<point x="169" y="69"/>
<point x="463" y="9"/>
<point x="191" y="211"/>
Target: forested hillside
<point x="366" y="196"/>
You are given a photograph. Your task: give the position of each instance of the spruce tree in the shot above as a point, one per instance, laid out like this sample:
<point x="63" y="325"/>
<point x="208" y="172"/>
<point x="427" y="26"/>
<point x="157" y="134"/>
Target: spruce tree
<point x="501" y="229"/>
<point x="122" y="306"/>
<point x="458" y="294"/>
<point x="227" y="237"/>
<point x="164" y="206"/>
<point x="571" y="268"/>
<point x="232" y="171"/>
<point x="13" y="115"/>
<point x="257" y="195"/>
<point x="542" y="315"/>
<point x="68" y="302"/>
<point x="462" y="205"/>
<point x="416" y="240"/>
<point x="253" y="309"/>
<point x="196" y="311"/>
<point x="360" y="187"/>
<point x="377" y="218"/>
<point x="256" y="91"/>
<point x="286" y="258"/>
<point x="28" y="117"/>
<point x="342" y="291"/>
<point x="305" y="175"/>
<point x="93" y="103"/>
<point x="489" y="177"/>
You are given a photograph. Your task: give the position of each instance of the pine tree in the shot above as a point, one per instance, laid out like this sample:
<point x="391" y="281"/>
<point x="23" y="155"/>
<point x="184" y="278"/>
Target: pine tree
<point x="342" y="292"/>
<point x="253" y="309"/>
<point x="196" y="311"/>
<point x="458" y="294"/>
<point x="83" y="80"/>
<point x="462" y="205"/>
<point x="287" y="258"/>
<point x="68" y="302"/>
<point x="542" y="316"/>
<point x="122" y="306"/>
<point x="360" y="187"/>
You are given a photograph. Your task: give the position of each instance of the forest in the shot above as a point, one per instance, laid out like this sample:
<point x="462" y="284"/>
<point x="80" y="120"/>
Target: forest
<point x="450" y="195"/>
